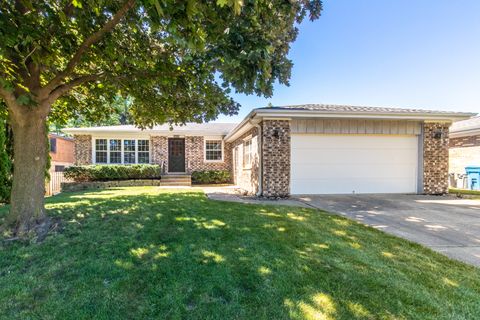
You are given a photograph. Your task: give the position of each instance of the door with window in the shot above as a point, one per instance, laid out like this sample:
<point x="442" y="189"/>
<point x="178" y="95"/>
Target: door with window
<point x="176" y="155"/>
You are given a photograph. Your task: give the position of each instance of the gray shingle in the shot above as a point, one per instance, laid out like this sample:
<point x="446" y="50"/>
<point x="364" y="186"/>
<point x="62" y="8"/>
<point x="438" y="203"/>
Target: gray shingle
<point x="361" y="109"/>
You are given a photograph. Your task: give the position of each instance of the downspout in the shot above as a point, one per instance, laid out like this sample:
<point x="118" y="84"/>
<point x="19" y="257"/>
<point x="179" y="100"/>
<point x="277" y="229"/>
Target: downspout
<point x="260" y="158"/>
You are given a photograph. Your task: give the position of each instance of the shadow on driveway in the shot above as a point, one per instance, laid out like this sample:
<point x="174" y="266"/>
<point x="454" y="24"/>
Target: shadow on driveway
<point x="443" y="223"/>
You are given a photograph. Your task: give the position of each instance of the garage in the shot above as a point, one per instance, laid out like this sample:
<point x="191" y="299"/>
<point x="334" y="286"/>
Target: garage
<point x="353" y="163"/>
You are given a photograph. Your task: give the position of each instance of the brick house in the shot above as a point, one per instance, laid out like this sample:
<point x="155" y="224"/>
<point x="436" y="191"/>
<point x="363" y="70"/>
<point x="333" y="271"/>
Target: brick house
<point x="305" y="149"/>
<point x="61" y="152"/>
<point x="464" y="149"/>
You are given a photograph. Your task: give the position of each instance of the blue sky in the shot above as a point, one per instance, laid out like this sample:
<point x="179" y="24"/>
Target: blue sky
<point x="423" y="54"/>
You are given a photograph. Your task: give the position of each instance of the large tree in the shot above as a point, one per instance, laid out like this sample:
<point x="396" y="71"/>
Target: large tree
<point x="176" y="59"/>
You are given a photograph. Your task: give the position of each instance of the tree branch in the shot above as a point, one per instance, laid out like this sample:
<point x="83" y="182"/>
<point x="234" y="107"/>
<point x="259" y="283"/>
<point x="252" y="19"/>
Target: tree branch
<point x="65" y="88"/>
<point x="95" y="37"/>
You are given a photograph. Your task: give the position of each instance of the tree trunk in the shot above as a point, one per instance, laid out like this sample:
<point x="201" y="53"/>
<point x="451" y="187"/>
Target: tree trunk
<point x="27" y="210"/>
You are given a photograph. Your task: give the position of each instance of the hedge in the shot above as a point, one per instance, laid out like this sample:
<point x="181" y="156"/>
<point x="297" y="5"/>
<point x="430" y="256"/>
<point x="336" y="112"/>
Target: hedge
<point x="112" y="172"/>
<point x="211" y="177"/>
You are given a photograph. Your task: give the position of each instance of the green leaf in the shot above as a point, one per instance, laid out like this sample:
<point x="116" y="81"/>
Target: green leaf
<point x="222" y="3"/>
<point x="77" y="3"/>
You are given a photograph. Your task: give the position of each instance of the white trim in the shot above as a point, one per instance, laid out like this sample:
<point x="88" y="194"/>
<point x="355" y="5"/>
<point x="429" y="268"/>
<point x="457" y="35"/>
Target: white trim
<point x="205" y="139"/>
<point x="257" y="115"/>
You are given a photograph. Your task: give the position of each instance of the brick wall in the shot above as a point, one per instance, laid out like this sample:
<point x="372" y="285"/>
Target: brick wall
<point x="464" y="152"/>
<point x="463" y="142"/>
<point x="194" y="154"/>
<point x="276" y="158"/>
<point x="435" y="159"/>
<point x="83" y="149"/>
<point x="64" y="150"/>
<point x="195" y="157"/>
<point x="159" y="150"/>
<point x="246" y="177"/>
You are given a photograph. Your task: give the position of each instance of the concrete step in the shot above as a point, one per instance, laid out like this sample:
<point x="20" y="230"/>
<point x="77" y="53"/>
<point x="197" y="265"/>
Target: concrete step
<point x="174" y="184"/>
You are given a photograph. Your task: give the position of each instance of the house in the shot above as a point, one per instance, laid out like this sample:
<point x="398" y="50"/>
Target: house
<point x="61" y="152"/>
<point x="303" y="149"/>
<point x="464" y="150"/>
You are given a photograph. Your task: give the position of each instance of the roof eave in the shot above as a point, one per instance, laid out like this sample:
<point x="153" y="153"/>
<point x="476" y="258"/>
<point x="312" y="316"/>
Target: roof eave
<point x="260" y="113"/>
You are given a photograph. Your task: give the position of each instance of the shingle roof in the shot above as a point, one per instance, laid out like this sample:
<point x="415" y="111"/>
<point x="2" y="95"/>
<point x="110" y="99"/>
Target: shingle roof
<point x="205" y="128"/>
<point x="360" y="109"/>
<point x="465" y="125"/>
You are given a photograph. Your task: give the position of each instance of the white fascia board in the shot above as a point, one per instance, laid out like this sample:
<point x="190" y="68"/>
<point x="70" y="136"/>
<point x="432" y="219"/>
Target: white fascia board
<point x="146" y="132"/>
<point x="464" y="133"/>
<point x="257" y="115"/>
<point x="447" y="117"/>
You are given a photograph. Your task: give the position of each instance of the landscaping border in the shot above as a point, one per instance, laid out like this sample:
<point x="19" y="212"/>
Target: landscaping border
<point x="79" y="186"/>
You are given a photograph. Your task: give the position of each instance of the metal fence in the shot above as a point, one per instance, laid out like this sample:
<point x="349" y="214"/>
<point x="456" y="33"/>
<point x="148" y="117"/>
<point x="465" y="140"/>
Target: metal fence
<point x="54" y="185"/>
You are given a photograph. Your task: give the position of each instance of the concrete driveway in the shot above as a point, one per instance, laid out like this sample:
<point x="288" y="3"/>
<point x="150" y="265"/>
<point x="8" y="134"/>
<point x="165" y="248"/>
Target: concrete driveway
<point x="444" y="223"/>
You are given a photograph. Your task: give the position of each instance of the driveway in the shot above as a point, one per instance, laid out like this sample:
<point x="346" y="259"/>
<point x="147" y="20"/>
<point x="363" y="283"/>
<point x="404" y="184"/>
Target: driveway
<point x="444" y="223"/>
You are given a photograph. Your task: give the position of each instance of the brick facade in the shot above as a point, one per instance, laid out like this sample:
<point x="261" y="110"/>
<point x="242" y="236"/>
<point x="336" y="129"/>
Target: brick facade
<point x="195" y="156"/>
<point x="464" y="142"/>
<point x="464" y="152"/>
<point x="83" y="149"/>
<point x="435" y="158"/>
<point x="159" y="150"/>
<point x="276" y="158"/>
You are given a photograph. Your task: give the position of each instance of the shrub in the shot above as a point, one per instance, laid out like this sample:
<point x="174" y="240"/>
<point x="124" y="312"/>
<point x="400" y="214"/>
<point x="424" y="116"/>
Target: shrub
<point x="211" y="177"/>
<point x="5" y="166"/>
<point x="112" y="172"/>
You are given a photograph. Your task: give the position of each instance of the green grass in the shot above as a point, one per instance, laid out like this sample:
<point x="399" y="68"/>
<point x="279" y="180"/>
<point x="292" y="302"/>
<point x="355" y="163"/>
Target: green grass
<point x="149" y="253"/>
<point x="465" y="192"/>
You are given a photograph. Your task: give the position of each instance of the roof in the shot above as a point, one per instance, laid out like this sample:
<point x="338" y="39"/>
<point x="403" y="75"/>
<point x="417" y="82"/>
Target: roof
<point x="342" y="112"/>
<point x="465" y="127"/>
<point x="189" y="128"/>
<point x="358" y="109"/>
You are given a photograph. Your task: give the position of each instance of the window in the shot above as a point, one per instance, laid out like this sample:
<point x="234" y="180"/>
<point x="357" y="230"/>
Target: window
<point x="59" y="168"/>
<point x="53" y="145"/>
<point x="213" y="150"/>
<point x="115" y="151"/>
<point x="128" y="151"/>
<point x="122" y="151"/>
<point x="101" y="150"/>
<point x="247" y="153"/>
<point x="143" y="151"/>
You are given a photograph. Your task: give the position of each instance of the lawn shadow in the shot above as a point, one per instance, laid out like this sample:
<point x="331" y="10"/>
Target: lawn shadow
<point x="138" y="253"/>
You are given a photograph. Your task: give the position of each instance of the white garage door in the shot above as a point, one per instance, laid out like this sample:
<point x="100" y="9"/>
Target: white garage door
<point x="336" y="164"/>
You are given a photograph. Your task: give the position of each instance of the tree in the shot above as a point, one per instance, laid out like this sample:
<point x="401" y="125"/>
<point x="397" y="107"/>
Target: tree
<point x="59" y="58"/>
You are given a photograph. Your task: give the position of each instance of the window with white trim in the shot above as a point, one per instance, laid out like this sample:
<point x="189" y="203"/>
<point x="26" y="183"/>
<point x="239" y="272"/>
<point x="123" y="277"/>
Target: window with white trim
<point x="101" y="151"/>
<point x="115" y="151"/>
<point x="213" y="150"/>
<point x="247" y="153"/>
<point x="122" y="151"/>
<point x="129" y="151"/>
<point x="143" y="151"/>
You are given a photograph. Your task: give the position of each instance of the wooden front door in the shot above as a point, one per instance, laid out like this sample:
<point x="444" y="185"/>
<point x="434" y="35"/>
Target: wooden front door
<point x="176" y="155"/>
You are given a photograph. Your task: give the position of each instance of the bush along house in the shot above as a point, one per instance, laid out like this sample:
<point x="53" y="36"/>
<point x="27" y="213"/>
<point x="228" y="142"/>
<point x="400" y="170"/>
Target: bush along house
<point x="302" y="149"/>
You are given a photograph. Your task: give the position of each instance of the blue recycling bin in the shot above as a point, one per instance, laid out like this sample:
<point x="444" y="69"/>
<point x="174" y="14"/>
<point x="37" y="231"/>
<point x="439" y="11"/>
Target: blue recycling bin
<point x="473" y="177"/>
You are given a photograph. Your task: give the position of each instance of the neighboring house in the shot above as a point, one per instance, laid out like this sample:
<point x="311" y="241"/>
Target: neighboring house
<point x="305" y="149"/>
<point x="61" y="152"/>
<point x="464" y="150"/>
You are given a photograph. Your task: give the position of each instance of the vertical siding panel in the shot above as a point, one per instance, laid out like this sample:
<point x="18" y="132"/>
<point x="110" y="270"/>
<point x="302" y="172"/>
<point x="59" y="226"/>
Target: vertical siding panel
<point x="311" y="126"/>
<point x="302" y="126"/>
<point x="294" y="126"/>
<point x="320" y="126"/>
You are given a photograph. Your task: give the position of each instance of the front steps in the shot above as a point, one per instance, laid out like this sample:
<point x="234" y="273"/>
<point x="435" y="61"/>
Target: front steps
<point x="174" y="180"/>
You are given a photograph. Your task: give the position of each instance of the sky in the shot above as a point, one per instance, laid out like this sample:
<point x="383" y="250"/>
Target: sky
<point x="395" y="53"/>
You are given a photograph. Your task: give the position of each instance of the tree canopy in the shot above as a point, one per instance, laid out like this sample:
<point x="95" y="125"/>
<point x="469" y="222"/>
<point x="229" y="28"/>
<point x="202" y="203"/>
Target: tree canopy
<point x="176" y="59"/>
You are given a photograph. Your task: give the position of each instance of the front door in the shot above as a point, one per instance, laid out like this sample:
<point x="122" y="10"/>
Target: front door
<point x="176" y="155"/>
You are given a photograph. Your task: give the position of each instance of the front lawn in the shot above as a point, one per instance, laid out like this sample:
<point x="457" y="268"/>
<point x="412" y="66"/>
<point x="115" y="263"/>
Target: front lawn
<point x="149" y="253"/>
<point x="474" y="194"/>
